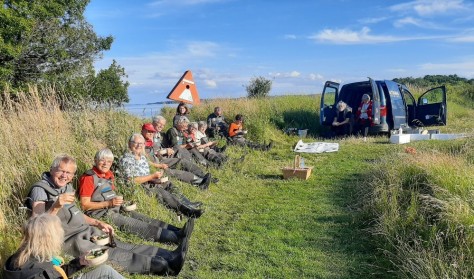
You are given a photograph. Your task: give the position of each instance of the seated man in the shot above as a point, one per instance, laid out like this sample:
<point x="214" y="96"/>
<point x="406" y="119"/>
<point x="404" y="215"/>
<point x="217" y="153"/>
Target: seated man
<point x="343" y="121"/>
<point x="236" y="133"/>
<point x="54" y="194"/>
<point x="216" y="125"/>
<point x="190" y="172"/>
<point x="98" y="199"/>
<point x="176" y="138"/>
<point x="134" y="165"/>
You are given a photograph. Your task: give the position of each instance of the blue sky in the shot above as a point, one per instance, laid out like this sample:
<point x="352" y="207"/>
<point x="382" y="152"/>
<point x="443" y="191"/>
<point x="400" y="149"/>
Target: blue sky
<point x="298" y="44"/>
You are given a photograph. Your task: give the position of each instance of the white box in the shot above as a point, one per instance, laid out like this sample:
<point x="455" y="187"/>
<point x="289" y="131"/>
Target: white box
<point x="415" y="137"/>
<point x="400" y="139"/>
<point x="447" y="136"/>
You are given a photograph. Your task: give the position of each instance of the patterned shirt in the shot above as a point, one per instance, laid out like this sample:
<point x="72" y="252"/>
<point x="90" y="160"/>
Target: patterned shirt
<point x="132" y="167"/>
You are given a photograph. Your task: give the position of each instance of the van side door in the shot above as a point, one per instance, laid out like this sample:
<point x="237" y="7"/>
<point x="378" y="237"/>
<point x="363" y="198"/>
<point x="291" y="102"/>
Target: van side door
<point x="431" y="108"/>
<point x="328" y="103"/>
<point x="399" y="112"/>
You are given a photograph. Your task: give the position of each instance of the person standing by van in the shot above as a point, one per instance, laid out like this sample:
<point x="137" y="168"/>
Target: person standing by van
<point x="364" y="115"/>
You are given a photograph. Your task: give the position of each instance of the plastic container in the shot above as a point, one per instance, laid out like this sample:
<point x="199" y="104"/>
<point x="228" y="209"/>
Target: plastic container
<point x="101" y="239"/>
<point x="302" y="133"/>
<point x="98" y="256"/>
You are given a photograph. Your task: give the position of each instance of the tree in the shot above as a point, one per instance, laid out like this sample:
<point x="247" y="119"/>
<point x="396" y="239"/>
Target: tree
<point x="109" y="88"/>
<point x="46" y="41"/>
<point x="258" y="87"/>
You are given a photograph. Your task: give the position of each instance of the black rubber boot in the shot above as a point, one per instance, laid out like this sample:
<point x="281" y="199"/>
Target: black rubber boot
<point x="176" y="263"/>
<point x="189" y="211"/>
<point x="159" y="266"/>
<point x="189" y="203"/>
<point x="168" y="236"/>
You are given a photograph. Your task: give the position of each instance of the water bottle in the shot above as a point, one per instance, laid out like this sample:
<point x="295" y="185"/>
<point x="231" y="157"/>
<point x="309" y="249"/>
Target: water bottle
<point x="400" y="131"/>
<point x="302" y="163"/>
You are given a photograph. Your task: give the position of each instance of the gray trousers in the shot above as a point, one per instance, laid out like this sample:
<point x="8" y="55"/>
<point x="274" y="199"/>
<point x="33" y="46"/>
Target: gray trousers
<point x="101" y="272"/>
<point x="188" y="172"/>
<point x="142" y="225"/>
<point x="132" y="258"/>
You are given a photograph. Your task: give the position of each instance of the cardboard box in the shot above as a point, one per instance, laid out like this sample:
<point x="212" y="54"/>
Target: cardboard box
<point x="400" y="139"/>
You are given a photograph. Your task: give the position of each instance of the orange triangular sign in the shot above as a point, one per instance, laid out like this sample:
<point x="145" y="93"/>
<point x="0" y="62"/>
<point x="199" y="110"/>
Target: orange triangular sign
<point x="185" y="90"/>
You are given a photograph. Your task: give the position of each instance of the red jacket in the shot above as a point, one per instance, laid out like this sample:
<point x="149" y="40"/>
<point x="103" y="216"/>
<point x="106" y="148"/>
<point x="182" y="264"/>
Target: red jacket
<point x="369" y="112"/>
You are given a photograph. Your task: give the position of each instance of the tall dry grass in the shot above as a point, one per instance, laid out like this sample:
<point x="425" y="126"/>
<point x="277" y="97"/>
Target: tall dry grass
<point x="421" y="206"/>
<point x="34" y="131"/>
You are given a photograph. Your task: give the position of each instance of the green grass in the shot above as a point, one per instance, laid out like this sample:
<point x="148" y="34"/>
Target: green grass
<point x="363" y="212"/>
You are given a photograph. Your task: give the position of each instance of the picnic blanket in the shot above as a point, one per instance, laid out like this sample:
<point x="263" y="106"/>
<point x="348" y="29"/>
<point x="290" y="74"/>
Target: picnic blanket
<point x="316" y="147"/>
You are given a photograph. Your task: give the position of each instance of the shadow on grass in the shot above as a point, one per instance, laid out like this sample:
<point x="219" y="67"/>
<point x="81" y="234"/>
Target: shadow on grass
<point x="301" y="119"/>
<point x="350" y="234"/>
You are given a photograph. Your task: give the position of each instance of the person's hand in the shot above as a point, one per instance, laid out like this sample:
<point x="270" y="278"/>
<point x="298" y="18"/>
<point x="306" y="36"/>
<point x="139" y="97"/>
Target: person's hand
<point x="63" y="199"/>
<point x="105" y="227"/>
<point x="118" y="200"/>
<point x="83" y="259"/>
<point x="170" y="151"/>
<point x="164" y="166"/>
<point x="157" y="174"/>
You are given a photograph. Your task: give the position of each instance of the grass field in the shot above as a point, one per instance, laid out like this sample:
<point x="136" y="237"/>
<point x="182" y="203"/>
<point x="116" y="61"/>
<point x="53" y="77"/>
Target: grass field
<point x="360" y="215"/>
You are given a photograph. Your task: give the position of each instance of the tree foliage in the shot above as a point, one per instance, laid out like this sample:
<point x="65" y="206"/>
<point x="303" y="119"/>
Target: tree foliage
<point x="110" y="87"/>
<point x="258" y="87"/>
<point x="49" y="42"/>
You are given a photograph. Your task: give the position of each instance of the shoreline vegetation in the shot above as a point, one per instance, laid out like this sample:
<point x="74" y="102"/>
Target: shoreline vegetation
<point x="370" y="210"/>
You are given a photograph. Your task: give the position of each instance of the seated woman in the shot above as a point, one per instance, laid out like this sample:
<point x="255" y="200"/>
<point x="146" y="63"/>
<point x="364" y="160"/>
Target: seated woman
<point x="38" y="255"/>
<point x="196" y="135"/>
<point x="135" y="167"/>
<point x="99" y="200"/>
<point x="182" y="112"/>
<point x="342" y="124"/>
<point x="364" y="115"/>
<point x="236" y="133"/>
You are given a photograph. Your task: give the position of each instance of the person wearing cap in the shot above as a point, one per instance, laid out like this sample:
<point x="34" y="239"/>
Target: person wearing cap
<point x="134" y="167"/>
<point x="189" y="172"/>
<point x="99" y="199"/>
<point x="55" y="195"/>
<point x="216" y="124"/>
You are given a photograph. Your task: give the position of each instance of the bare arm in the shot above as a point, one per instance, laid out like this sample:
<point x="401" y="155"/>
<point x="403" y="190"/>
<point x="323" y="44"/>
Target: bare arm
<point x="146" y="178"/>
<point x="87" y="204"/>
<point x="39" y="207"/>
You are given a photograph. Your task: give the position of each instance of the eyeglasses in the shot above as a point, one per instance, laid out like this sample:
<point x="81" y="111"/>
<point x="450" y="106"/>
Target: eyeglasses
<point x="104" y="161"/>
<point x="138" y="143"/>
<point x="66" y="173"/>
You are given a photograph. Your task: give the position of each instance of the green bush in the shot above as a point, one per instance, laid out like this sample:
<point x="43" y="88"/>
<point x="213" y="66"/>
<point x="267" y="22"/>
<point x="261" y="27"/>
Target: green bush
<point x="258" y="87"/>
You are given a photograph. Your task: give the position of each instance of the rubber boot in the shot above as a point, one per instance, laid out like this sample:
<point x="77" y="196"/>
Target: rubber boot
<point x="168" y="236"/>
<point x="176" y="263"/>
<point x="159" y="266"/>
<point x="189" y="203"/>
<point x="189" y="211"/>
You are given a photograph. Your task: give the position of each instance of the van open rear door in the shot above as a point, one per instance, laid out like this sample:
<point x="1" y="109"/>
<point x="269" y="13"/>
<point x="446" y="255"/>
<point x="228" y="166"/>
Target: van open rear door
<point x="375" y="102"/>
<point x="328" y="101"/>
<point x="431" y="108"/>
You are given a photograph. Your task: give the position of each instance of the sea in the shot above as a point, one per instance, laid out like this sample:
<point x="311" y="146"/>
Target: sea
<point x="147" y="110"/>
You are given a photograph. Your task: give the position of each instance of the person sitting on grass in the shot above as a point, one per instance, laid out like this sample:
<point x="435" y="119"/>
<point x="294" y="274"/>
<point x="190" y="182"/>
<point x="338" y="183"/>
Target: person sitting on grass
<point x="237" y="135"/>
<point x="182" y="113"/>
<point x="135" y="168"/>
<point x="54" y="195"/>
<point x="216" y="125"/>
<point x="205" y="147"/>
<point x="189" y="172"/>
<point x="99" y="200"/>
<point x="176" y="138"/>
<point x="38" y="255"/>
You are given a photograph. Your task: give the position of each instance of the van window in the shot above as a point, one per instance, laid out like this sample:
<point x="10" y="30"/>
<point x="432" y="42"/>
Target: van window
<point x="398" y="105"/>
<point x="330" y="96"/>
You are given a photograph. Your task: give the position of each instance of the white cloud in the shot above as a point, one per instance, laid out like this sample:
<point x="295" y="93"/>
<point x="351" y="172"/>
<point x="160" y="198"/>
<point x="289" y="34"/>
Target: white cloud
<point x="202" y="49"/>
<point x="345" y="36"/>
<point x="463" y="68"/>
<point x="292" y="74"/>
<point x="431" y="7"/>
<point x="463" y="39"/>
<point x="372" y="20"/>
<point x="210" y="83"/>
<point x="315" y="76"/>
<point x="290" y="37"/>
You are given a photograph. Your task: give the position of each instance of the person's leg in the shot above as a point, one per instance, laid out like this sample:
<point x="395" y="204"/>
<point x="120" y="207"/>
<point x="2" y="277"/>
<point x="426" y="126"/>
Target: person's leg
<point x="100" y="272"/>
<point x="144" y="230"/>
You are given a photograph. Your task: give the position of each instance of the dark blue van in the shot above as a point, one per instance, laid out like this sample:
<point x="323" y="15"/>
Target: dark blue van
<point x="393" y="104"/>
